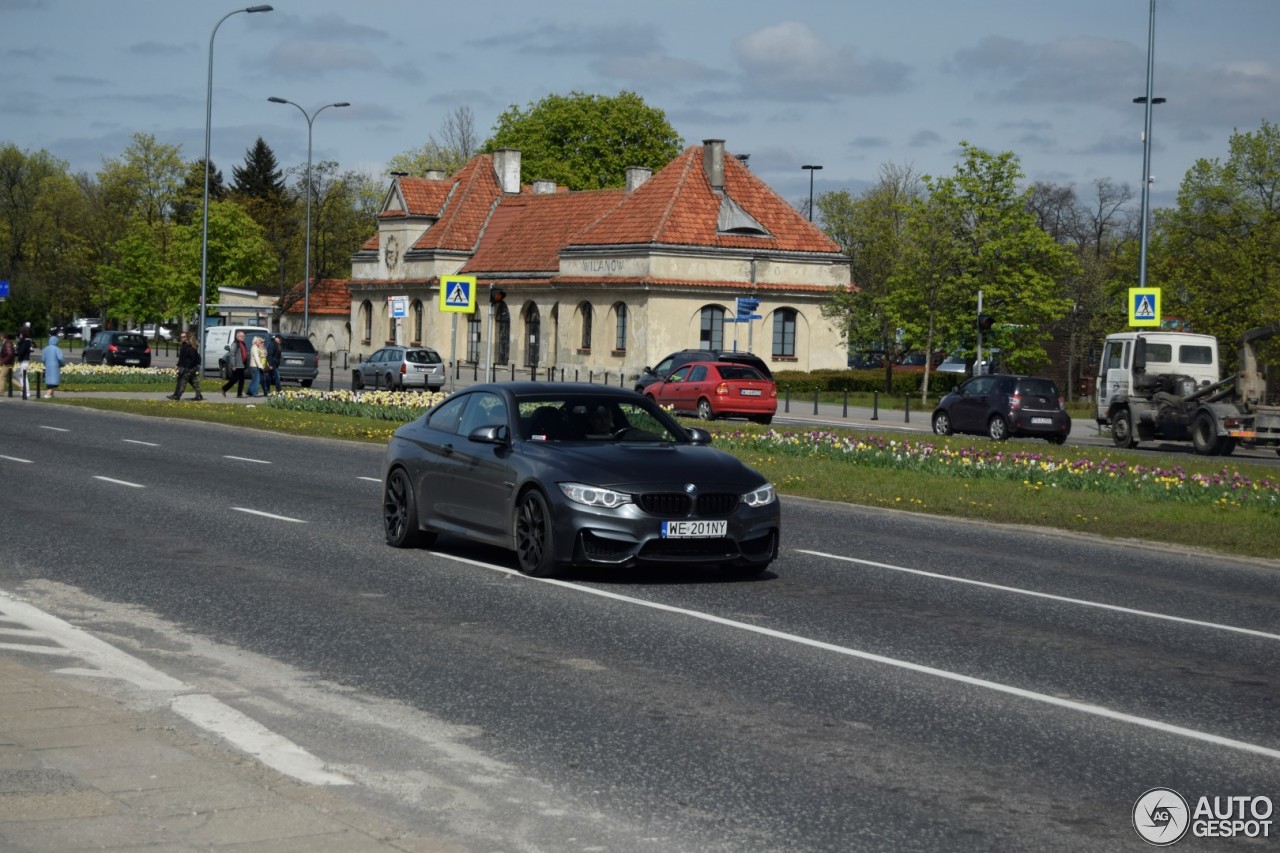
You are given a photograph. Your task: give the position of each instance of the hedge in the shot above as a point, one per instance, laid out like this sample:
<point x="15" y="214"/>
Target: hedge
<point x="866" y="381"/>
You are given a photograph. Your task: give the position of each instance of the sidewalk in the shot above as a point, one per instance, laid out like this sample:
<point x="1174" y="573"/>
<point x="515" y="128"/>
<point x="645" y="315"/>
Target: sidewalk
<point x="80" y="771"/>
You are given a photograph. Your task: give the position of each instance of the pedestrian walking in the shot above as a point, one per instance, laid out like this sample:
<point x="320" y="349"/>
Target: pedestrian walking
<point x="23" y="356"/>
<point x="258" y="366"/>
<point x="7" y="355"/>
<point x="237" y="361"/>
<point x="53" y="361"/>
<point x="275" y="352"/>
<point x="188" y="368"/>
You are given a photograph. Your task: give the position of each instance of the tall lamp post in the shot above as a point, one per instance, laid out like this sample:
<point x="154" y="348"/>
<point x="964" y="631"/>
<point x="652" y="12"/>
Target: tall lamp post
<point x="811" y="170"/>
<point x="1149" y="102"/>
<point x="306" y="284"/>
<point x="208" y="124"/>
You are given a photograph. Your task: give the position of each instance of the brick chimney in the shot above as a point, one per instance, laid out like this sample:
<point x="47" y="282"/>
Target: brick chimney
<point x="506" y="165"/>
<point x="713" y="162"/>
<point x="636" y="176"/>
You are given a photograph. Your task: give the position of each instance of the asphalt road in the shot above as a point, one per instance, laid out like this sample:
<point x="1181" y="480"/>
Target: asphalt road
<point x="896" y="682"/>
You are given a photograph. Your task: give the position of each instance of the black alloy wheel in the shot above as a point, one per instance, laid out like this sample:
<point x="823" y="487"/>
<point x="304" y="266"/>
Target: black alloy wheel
<point x="535" y="554"/>
<point x="400" y="513"/>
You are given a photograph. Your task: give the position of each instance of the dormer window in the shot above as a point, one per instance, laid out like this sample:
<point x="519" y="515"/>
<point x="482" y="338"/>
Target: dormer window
<point x="734" y="220"/>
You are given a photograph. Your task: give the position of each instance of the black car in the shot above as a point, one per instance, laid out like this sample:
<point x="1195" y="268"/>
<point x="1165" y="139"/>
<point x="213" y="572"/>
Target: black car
<point x="1002" y="406"/>
<point x="668" y="365"/>
<point x="117" y="348"/>
<point x="575" y="474"/>
<point x="299" y="361"/>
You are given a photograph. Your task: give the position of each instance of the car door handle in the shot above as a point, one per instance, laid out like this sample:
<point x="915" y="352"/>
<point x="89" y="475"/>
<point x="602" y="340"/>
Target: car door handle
<point x="448" y="449"/>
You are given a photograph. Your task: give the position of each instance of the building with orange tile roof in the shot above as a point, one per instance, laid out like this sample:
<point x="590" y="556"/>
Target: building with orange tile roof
<point x="595" y="281"/>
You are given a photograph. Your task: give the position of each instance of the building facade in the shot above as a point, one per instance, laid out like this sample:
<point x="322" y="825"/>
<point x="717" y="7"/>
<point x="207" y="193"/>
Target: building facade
<point x="604" y="281"/>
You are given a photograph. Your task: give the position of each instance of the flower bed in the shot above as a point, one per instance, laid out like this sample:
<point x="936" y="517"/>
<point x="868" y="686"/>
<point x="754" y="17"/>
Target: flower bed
<point x="399" y="406"/>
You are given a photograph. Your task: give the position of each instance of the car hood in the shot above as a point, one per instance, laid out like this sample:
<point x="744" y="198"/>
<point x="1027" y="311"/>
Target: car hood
<point x="641" y="466"/>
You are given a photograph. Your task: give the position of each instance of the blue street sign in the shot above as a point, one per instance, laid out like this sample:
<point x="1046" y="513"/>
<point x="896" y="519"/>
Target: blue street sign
<point x="4" y="289"/>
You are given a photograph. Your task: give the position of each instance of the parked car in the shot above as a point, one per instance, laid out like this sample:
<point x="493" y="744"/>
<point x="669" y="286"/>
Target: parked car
<point x="163" y="332"/>
<point x="117" y="348"/>
<point x="400" y="367"/>
<point x="299" y="361"/>
<point x="520" y="465"/>
<point x="865" y="360"/>
<point x="958" y="363"/>
<point x="1002" y="406"/>
<point x="915" y="360"/>
<point x="717" y="389"/>
<point x="685" y="356"/>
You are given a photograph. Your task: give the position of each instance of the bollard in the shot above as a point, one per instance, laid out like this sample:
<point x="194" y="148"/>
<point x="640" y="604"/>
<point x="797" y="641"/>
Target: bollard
<point x="786" y="401"/>
<point x="591" y="377"/>
<point x="575" y="374"/>
<point x="907" y="411"/>
<point x="846" y="404"/>
<point x="331" y="374"/>
<point x="875" y="405"/>
<point x="815" y="401"/>
<point x="513" y="371"/>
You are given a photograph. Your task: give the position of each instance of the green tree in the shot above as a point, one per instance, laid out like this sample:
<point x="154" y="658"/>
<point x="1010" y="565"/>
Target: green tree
<point x="586" y="141"/>
<point x="1217" y="253"/>
<point x="870" y="229"/>
<point x="146" y="179"/>
<point x="260" y="176"/>
<point x="139" y="282"/>
<point x="239" y="256"/>
<point x="189" y="206"/>
<point x="975" y="232"/>
<point x="458" y="143"/>
<point x="32" y="185"/>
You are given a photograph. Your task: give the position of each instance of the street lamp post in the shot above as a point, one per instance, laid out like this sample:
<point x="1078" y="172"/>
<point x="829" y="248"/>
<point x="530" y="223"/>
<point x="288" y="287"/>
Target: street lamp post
<point x="1148" y="101"/>
<point x="811" y="170"/>
<point x="208" y="125"/>
<point x="306" y="284"/>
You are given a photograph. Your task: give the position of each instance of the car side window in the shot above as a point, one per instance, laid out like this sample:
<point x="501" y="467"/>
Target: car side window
<point x="663" y="367"/>
<point x="698" y="374"/>
<point x="679" y="375"/>
<point x="449" y="414"/>
<point x="484" y="410"/>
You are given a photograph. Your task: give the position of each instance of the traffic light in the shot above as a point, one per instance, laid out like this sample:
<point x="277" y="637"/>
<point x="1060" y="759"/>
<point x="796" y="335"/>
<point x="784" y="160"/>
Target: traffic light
<point x="496" y="295"/>
<point x="985" y="322"/>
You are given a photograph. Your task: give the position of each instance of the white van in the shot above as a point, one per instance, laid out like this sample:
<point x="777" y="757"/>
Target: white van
<point x="217" y="345"/>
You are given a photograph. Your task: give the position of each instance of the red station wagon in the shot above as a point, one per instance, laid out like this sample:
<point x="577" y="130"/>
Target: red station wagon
<point x="717" y="389"/>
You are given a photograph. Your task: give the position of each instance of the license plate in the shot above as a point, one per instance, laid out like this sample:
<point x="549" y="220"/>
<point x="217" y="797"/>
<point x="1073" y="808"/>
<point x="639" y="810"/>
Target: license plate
<point x="694" y="529"/>
<point x="133" y="361"/>
<point x="293" y="361"/>
<point x="750" y="392"/>
<point x="1045" y="421"/>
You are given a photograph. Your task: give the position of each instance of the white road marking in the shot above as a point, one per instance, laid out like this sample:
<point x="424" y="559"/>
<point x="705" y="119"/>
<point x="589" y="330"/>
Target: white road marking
<point x="55" y="429"/>
<point x="205" y="711"/>
<point x="120" y="482"/>
<point x="16" y="459"/>
<point x="1031" y="695"/>
<point x="135" y="441"/>
<point x="371" y="479"/>
<point x="246" y="459"/>
<point x="273" y="750"/>
<point x="269" y="515"/>
<point x="1034" y="594"/>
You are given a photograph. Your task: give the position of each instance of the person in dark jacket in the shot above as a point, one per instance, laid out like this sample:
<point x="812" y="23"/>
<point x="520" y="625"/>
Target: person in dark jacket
<point x="6" y="362"/>
<point x="237" y="361"/>
<point x="23" y="354"/>
<point x="274" y="354"/>
<point x="188" y="368"/>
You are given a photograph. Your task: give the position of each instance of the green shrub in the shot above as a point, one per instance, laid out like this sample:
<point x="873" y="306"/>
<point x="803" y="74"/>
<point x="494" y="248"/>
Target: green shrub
<point x="862" y="381"/>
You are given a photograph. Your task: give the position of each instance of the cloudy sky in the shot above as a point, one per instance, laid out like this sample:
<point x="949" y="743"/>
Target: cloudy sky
<point x="847" y="84"/>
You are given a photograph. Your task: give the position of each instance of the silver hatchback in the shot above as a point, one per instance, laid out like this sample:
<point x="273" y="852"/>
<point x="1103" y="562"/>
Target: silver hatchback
<point x="398" y="368"/>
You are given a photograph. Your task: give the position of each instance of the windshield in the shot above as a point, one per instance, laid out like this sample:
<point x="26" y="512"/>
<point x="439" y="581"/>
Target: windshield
<point x="594" y="418"/>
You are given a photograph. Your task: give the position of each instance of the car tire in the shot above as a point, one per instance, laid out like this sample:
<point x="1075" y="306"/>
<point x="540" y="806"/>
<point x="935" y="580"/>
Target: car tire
<point x="764" y="419"/>
<point x="533" y="536"/>
<point x="942" y="423"/>
<point x="1204" y="435"/>
<point x="356" y="382"/>
<point x="400" y="513"/>
<point x="305" y="383"/>
<point x="1122" y="430"/>
<point x="998" y="428"/>
<point x="704" y="410"/>
<point x="1058" y="439"/>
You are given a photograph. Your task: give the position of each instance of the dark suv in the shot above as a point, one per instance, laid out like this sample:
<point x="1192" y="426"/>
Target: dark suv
<point x="128" y="348"/>
<point x="299" y="361"/>
<point x="664" y="368"/>
<point x="1001" y="406"/>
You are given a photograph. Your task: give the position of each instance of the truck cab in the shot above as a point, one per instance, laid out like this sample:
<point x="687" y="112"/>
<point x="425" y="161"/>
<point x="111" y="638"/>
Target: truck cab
<point x="1182" y="356"/>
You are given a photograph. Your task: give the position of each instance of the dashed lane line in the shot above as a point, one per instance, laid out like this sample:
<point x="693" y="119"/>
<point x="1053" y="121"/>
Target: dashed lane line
<point x="269" y="515"/>
<point x="119" y="482"/>
<point x="247" y="459"/>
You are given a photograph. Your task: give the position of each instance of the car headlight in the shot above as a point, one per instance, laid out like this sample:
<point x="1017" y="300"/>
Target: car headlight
<point x="594" y="495"/>
<point x="762" y="496"/>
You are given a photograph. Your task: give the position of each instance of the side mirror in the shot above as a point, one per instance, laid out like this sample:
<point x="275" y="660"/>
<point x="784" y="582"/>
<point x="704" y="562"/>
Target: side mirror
<point x="498" y="434"/>
<point x="1140" y="354"/>
<point x="699" y="436"/>
<point x="648" y="370"/>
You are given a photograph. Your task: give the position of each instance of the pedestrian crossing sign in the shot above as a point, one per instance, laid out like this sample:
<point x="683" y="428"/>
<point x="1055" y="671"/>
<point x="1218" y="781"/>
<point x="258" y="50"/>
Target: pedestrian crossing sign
<point x="1144" y="306"/>
<point x="458" y="294"/>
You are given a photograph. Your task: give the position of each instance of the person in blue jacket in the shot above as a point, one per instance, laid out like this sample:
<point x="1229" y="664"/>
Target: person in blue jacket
<point x="53" y="362"/>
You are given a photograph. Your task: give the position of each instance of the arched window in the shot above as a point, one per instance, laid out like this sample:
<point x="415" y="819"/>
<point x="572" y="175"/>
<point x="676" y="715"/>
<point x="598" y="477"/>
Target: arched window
<point x="585" y="308"/>
<point x="711" y="331"/>
<point x="502" y="337"/>
<point x="416" y="313"/>
<point x="366" y="317"/>
<point x="473" y="338"/>
<point x="784" y="333"/>
<point x="620" y="332"/>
